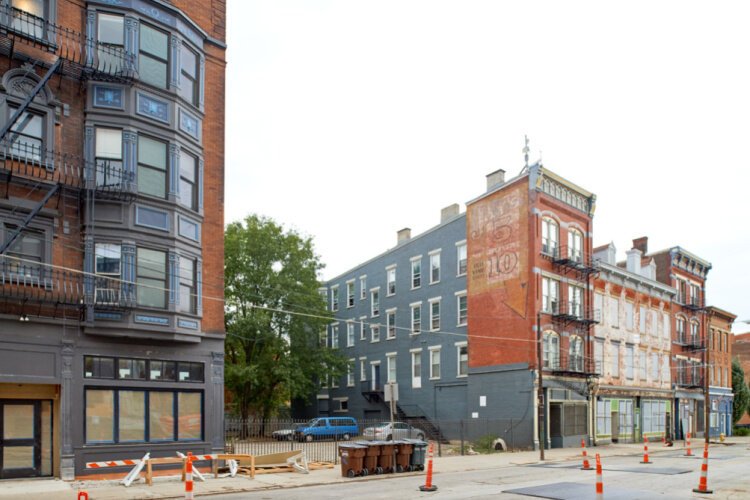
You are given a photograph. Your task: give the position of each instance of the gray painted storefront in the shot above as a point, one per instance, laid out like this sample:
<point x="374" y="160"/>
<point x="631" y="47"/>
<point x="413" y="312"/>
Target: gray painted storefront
<point x="48" y="354"/>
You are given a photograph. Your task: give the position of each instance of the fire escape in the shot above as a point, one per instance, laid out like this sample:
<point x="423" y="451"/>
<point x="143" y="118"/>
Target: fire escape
<point x="688" y="374"/>
<point x="67" y="183"/>
<point x="575" y="315"/>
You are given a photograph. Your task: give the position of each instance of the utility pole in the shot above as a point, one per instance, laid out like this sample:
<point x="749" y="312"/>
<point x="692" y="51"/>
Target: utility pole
<point x="541" y="385"/>
<point x="706" y="362"/>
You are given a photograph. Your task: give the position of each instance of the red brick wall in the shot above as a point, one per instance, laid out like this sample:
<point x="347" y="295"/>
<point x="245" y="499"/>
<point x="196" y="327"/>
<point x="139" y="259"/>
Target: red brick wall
<point x="498" y="284"/>
<point x="210" y="15"/>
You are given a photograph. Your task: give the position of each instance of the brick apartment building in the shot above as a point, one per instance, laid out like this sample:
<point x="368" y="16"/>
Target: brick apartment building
<point x="720" y="370"/>
<point x="111" y="231"/>
<point x="462" y="315"/>
<point x="741" y="350"/>
<point x="632" y="348"/>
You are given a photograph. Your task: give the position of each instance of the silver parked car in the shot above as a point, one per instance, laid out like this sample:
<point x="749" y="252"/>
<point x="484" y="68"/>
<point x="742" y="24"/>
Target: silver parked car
<point x="400" y="430"/>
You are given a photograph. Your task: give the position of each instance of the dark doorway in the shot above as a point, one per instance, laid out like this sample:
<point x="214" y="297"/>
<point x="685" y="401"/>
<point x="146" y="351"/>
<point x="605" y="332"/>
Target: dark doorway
<point x="25" y="438"/>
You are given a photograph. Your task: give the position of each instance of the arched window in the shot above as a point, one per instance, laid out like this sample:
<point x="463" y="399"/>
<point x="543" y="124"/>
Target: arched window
<point x="575" y="245"/>
<point x="550" y="236"/>
<point x="551" y="350"/>
<point x="680" y="326"/>
<point x="575" y="354"/>
<point x="694" y="332"/>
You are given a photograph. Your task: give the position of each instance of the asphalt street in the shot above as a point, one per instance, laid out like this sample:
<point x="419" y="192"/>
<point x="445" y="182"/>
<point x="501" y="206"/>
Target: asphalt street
<point x="670" y="476"/>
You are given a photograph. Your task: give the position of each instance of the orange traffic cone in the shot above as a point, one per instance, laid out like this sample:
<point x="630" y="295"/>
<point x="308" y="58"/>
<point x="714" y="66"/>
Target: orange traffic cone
<point x="428" y="486"/>
<point x="645" y="452"/>
<point x="599" y="482"/>
<point x="689" y="452"/>
<point x="703" y="484"/>
<point x="586" y="464"/>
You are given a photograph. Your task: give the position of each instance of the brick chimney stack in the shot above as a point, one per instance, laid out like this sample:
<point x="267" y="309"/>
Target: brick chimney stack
<point x="641" y="244"/>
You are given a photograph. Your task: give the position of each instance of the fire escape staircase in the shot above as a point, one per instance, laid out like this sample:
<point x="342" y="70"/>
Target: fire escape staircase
<point x="38" y="43"/>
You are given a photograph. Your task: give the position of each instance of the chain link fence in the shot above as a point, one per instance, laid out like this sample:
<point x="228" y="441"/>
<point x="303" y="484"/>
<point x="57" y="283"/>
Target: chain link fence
<point x="456" y="437"/>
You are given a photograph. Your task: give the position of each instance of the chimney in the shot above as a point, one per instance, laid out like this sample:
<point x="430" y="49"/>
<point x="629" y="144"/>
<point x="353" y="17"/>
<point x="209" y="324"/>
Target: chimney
<point x="649" y="270"/>
<point x="404" y="235"/>
<point x="634" y="261"/>
<point x="495" y="179"/>
<point x="449" y="212"/>
<point x="641" y="244"/>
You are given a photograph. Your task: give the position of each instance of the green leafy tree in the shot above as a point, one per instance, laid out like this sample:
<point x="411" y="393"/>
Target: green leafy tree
<point x="740" y="390"/>
<point x="274" y="318"/>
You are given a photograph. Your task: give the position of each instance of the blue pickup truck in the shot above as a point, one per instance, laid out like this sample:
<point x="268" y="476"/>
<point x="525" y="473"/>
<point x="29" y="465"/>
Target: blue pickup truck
<point x="327" y="428"/>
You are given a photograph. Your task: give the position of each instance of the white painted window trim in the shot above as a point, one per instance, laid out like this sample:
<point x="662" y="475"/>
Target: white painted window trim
<point x="430" y="302"/>
<point x="459" y="295"/>
<point x="431" y="254"/>
<point x="413" y="306"/>
<point x="363" y="289"/>
<point x="388" y="313"/>
<point x="459" y="345"/>
<point x="458" y="260"/>
<point x="432" y="349"/>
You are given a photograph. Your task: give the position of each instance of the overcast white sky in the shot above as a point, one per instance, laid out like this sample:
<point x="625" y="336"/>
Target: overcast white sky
<point x="349" y="120"/>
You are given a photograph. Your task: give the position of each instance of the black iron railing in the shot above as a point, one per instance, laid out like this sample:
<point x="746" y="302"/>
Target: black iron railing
<point x="85" y="57"/>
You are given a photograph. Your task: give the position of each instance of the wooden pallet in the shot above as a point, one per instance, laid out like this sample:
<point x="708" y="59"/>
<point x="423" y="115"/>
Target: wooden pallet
<point x="275" y="469"/>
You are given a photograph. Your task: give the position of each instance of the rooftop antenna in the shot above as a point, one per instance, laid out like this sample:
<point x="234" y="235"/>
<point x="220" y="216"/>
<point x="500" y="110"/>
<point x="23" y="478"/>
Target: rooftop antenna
<point x="525" y="151"/>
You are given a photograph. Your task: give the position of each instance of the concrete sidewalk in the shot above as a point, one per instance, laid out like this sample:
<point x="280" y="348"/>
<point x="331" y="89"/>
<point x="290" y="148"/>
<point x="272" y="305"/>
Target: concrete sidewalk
<point x="171" y="487"/>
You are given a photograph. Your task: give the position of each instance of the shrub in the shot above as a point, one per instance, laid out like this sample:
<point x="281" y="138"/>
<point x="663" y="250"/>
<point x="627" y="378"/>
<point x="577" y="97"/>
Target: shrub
<point x="484" y="444"/>
<point x="741" y="431"/>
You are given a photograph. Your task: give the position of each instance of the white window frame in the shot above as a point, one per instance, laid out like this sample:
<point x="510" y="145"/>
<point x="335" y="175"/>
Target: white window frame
<point x="374" y="302"/>
<point x="416" y="326"/>
<point x="462" y="295"/>
<point x="434" y="259"/>
<point x="335" y="336"/>
<point x="550" y="237"/>
<point x="335" y="298"/>
<point x="416" y="272"/>
<point x="551" y="349"/>
<point x="550" y="295"/>
<point x="375" y="333"/>
<point x="432" y="301"/>
<point x="350" y="373"/>
<point x="461" y="249"/>
<point x="576" y="353"/>
<point x="363" y="328"/>
<point x="350" y="294"/>
<point x="363" y="287"/>
<point x="416" y="375"/>
<point x="390" y="323"/>
<point x="575" y="245"/>
<point x="390" y="280"/>
<point x="340" y="402"/>
<point x="432" y="350"/>
<point x="459" y="346"/>
<point x="350" y="334"/>
<point x="575" y="300"/>
<point x="363" y="369"/>
<point x="390" y="363"/>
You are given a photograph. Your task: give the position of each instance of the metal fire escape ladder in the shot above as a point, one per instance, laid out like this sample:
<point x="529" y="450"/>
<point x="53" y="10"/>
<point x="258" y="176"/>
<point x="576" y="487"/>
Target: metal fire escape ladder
<point x="22" y="108"/>
<point x="28" y="219"/>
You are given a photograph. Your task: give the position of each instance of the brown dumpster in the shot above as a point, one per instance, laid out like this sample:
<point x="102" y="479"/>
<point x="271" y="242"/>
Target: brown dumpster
<point x="352" y="456"/>
<point x="403" y="455"/>
<point x="371" y="457"/>
<point x="385" y="460"/>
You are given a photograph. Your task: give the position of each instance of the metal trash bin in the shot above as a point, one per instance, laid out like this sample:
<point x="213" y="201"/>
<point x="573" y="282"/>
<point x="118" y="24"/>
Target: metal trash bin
<point x="352" y="456"/>
<point x="371" y="457"/>
<point x="403" y="455"/>
<point x="418" y="454"/>
<point x="385" y="460"/>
